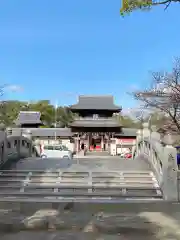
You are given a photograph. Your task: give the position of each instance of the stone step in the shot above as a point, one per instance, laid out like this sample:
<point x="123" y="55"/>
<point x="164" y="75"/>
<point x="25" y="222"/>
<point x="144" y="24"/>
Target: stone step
<point x="83" y="186"/>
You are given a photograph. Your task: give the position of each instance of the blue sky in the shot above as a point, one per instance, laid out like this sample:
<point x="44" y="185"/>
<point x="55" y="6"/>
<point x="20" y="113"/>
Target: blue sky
<point x="59" y="49"/>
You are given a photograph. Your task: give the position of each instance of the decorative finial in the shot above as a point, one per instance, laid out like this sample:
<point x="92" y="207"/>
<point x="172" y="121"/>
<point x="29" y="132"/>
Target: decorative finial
<point x="146" y="125"/>
<point x="139" y="132"/>
<point x="168" y="140"/>
<point x="154" y="128"/>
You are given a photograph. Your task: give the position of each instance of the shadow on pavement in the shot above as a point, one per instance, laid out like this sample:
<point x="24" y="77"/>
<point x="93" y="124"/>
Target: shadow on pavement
<point x="59" y="224"/>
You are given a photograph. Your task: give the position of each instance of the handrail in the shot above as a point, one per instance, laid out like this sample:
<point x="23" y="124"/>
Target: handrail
<point x="161" y="157"/>
<point x="15" y="147"/>
<point x="151" y="151"/>
<point x="152" y="143"/>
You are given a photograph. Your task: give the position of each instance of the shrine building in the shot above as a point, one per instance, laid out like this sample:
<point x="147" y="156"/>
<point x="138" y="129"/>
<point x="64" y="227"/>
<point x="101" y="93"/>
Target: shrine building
<point x="96" y="127"/>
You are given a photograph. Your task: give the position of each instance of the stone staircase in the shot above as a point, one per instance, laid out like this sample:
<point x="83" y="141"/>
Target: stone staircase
<point x="77" y="186"/>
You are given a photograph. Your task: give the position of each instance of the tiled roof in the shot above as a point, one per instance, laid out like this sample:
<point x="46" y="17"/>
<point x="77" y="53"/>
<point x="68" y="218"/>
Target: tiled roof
<point x="28" y="117"/>
<point x="47" y="132"/>
<point x="105" y="102"/>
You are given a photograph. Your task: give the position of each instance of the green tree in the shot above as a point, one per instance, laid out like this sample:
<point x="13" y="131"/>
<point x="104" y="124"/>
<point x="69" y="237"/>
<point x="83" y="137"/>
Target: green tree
<point x="128" y="122"/>
<point x="64" y="116"/>
<point x="9" y="111"/>
<point x="46" y="110"/>
<point x="131" y="5"/>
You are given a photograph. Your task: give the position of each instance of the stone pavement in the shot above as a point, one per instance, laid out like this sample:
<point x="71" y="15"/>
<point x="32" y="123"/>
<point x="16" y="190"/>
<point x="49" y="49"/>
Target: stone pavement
<point x="95" y="157"/>
<point x="112" y="163"/>
<point x="51" y="224"/>
<point x="109" y="163"/>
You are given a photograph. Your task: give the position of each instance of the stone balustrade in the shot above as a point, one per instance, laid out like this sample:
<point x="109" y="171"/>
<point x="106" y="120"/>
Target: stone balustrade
<point x="15" y="145"/>
<point x="162" y="158"/>
<point x="95" y="118"/>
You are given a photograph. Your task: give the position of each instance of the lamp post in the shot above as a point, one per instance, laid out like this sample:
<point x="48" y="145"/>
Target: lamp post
<point x="65" y="94"/>
<point x="55" y="121"/>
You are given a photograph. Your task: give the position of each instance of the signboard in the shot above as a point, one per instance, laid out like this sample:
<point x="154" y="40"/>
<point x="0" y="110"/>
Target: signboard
<point x="126" y="140"/>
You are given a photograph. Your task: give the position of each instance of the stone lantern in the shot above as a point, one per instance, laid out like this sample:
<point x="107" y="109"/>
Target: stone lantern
<point x="153" y="128"/>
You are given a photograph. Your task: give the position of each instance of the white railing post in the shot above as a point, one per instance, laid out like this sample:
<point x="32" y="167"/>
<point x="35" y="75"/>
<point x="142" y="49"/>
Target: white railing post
<point x="3" y="140"/>
<point x="155" y="137"/>
<point x="137" y="141"/>
<point x="18" y="146"/>
<point x="170" y="169"/>
<point x="28" y="134"/>
<point x="146" y="133"/>
<point x="146" y="130"/>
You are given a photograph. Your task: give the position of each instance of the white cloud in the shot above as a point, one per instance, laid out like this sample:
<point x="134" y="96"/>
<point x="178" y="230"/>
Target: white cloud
<point x="13" y="88"/>
<point x="134" y="87"/>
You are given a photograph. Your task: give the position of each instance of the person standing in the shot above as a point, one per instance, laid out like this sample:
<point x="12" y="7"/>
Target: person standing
<point x="94" y="146"/>
<point x="82" y="146"/>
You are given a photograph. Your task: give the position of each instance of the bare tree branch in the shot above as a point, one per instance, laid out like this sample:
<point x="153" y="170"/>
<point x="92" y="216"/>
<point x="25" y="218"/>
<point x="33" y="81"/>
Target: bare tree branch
<point x="164" y="95"/>
<point x="167" y="5"/>
<point x="2" y="88"/>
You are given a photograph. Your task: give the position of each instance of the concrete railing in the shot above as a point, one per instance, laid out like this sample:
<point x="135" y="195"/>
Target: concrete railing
<point x="16" y="146"/>
<point x="162" y="158"/>
<point x="94" y="118"/>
